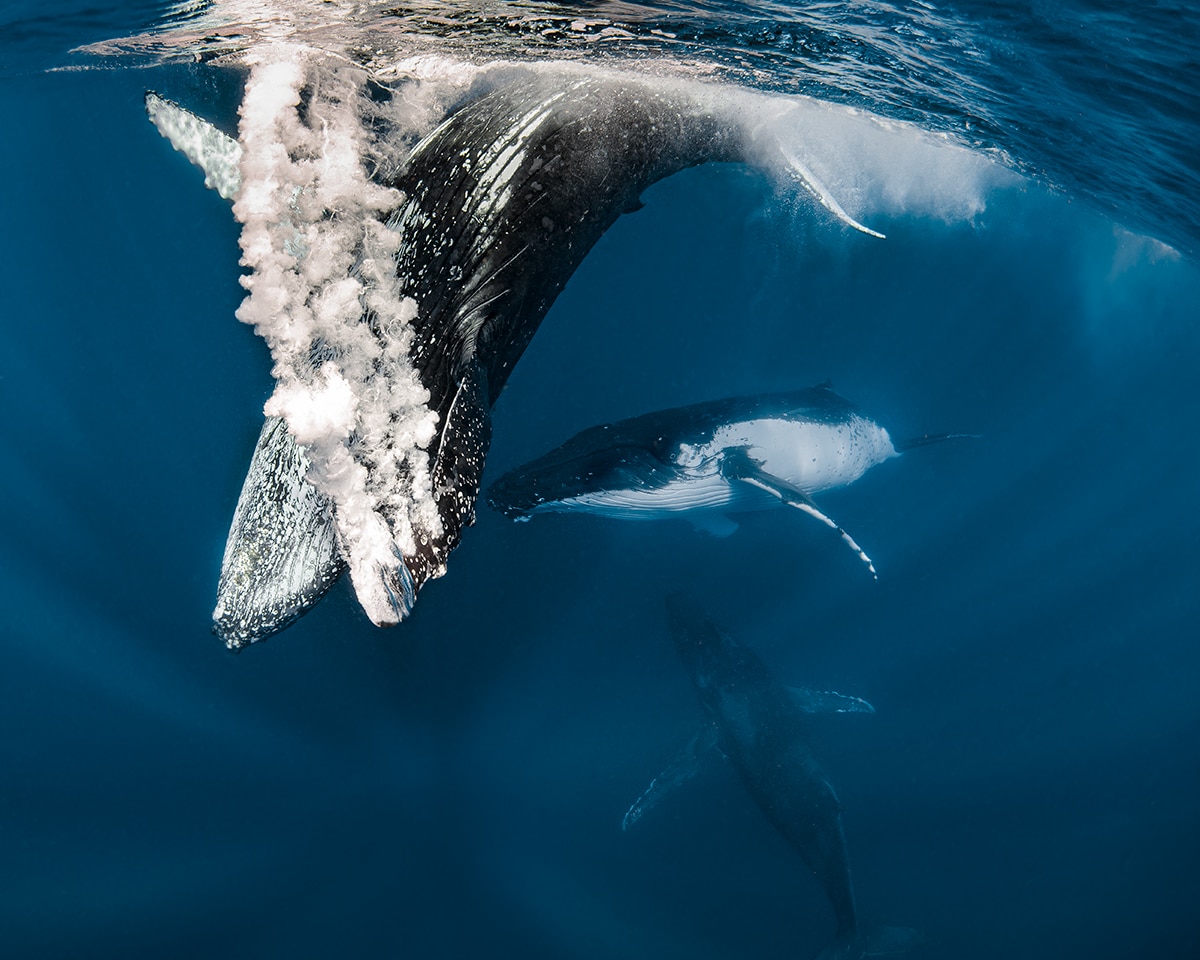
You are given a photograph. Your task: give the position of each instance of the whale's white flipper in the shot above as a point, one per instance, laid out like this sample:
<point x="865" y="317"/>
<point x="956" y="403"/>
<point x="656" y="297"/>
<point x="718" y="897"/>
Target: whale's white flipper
<point x="214" y="152"/>
<point x="820" y="192"/>
<point x="827" y="701"/>
<point x="746" y="470"/>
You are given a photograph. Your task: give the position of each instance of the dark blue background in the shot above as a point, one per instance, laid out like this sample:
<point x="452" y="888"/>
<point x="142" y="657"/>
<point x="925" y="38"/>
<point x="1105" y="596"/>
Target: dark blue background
<point x="1030" y="782"/>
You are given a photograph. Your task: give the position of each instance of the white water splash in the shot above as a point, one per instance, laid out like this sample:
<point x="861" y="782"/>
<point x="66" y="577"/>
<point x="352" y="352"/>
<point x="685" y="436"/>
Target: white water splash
<point x="323" y="293"/>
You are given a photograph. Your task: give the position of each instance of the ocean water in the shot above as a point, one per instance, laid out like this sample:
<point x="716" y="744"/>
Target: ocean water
<point x="454" y="786"/>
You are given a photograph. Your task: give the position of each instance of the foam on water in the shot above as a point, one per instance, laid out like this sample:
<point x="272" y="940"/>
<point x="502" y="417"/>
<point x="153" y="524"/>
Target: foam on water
<point x="322" y="259"/>
<point x="868" y="165"/>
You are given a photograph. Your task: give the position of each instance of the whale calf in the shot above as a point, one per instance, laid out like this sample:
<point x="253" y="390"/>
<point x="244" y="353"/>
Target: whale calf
<point x="397" y="269"/>
<point x="764" y="730"/>
<point x="704" y="460"/>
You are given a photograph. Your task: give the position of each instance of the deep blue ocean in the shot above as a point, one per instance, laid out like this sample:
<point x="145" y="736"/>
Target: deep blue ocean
<point x="1029" y="785"/>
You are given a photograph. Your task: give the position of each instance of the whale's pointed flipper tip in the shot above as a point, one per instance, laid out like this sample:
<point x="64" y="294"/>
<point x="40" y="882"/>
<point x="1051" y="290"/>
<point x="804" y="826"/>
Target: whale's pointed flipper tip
<point x="809" y="180"/>
<point x="827" y="701"/>
<point x="281" y="555"/>
<point x="742" y="467"/>
<point x="213" y="151"/>
<point x="386" y="591"/>
<point x="683" y="766"/>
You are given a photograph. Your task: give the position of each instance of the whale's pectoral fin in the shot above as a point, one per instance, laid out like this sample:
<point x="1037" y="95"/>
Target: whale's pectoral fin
<point x="809" y="180"/>
<point x="282" y="553"/>
<point x="827" y="701"/>
<point x="214" y="152"/>
<point x="681" y="769"/>
<point x="738" y="465"/>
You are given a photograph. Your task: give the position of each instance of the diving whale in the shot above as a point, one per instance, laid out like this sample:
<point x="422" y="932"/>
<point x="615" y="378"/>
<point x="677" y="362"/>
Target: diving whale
<point x="707" y="459"/>
<point x="764" y="730"/>
<point x="398" y="283"/>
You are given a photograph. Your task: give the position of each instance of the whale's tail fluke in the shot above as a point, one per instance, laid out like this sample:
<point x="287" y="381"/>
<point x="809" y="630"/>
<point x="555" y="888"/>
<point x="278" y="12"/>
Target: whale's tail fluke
<point x="282" y="553"/>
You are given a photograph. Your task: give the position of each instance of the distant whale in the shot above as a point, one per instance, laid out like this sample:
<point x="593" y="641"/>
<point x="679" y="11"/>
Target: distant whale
<point x="397" y="286"/>
<point x="707" y="459"/>
<point x="764" y="729"/>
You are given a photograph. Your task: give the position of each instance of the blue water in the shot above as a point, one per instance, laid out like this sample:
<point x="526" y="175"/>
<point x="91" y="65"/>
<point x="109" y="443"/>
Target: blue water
<point x="1030" y="781"/>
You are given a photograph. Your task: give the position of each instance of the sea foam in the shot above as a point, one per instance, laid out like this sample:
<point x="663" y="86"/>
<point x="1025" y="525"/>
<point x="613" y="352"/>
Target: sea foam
<point x="322" y="261"/>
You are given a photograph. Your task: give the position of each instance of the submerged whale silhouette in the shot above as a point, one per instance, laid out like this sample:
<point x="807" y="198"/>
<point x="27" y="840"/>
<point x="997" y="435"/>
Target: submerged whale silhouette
<point x="393" y="339"/>
<point x="764" y="729"/>
<point x="706" y="459"/>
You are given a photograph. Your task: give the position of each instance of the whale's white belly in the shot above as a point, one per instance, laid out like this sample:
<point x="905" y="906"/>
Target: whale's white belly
<point x="809" y="455"/>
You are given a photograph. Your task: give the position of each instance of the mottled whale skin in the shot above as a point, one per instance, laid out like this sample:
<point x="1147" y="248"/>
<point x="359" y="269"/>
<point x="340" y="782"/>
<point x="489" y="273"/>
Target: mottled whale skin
<point x="704" y="460"/>
<point x="764" y="729"/>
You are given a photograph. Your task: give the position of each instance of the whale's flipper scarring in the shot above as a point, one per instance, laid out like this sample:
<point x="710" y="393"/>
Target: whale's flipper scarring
<point x="741" y="467"/>
<point x="461" y="454"/>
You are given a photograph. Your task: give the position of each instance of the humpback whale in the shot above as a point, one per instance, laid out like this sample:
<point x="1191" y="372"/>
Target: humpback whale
<point x="702" y="460"/>
<point x="397" y="279"/>
<point x="764" y="730"/>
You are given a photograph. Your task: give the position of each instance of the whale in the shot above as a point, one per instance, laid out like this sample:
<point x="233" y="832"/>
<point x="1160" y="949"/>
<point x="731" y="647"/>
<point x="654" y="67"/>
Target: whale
<point x="397" y="279"/>
<point x="705" y="460"/>
<point x="764" y="730"/>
